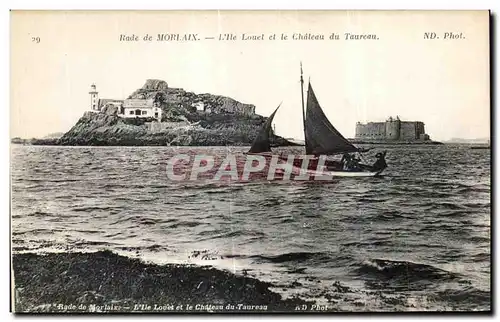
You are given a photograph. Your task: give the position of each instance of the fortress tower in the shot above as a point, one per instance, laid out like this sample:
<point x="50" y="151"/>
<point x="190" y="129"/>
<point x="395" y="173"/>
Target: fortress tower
<point x="392" y="129"/>
<point x="94" y="98"/>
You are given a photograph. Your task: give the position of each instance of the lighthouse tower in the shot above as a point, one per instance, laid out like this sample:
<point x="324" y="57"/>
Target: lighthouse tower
<point x="94" y="98"/>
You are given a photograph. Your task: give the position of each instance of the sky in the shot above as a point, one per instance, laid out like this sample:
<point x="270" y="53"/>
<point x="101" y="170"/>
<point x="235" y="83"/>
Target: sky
<point x="442" y="82"/>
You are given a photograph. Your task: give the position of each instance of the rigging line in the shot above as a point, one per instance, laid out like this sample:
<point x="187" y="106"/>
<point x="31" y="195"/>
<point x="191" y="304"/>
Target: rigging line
<point x="231" y="215"/>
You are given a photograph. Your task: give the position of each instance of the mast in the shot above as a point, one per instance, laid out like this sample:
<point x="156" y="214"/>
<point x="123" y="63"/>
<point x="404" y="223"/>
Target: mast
<point x="303" y="109"/>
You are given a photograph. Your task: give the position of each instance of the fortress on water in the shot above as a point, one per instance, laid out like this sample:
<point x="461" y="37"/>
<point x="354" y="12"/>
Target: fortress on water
<point x="392" y="130"/>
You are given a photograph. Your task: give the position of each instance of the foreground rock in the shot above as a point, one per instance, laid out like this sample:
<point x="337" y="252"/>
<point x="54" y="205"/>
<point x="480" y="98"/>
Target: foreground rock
<point x="106" y="282"/>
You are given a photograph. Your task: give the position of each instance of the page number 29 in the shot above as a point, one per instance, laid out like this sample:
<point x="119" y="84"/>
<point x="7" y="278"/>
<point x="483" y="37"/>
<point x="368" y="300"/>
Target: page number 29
<point x="35" y="39"/>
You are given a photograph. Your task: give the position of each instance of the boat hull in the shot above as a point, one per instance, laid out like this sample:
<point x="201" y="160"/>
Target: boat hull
<point x="313" y="173"/>
<point x="329" y="171"/>
<point x="345" y="173"/>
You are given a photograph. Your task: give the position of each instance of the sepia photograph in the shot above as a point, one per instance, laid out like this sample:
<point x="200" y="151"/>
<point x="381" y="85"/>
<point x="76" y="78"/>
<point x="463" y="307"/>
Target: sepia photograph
<point x="231" y="161"/>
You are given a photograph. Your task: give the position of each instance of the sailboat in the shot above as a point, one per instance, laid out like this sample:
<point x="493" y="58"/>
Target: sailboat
<point x="261" y="145"/>
<point x="322" y="139"/>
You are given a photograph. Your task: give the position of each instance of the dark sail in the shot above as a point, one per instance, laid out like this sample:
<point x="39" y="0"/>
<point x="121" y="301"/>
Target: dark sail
<point x="261" y="142"/>
<point x="321" y="136"/>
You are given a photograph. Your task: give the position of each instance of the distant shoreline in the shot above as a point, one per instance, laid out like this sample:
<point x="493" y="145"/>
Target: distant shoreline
<point x="45" y="142"/>
<point x="54" y="142"/>
<point x="397" y="142"/>
<point x="284" y="142"/>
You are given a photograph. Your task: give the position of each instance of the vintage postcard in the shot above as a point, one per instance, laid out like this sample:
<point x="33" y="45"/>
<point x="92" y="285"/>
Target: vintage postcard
<point x="250" y="161"/>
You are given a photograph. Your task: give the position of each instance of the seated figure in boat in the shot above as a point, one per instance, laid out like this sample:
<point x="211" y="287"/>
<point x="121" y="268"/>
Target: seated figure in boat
<point x="380" y="164"/>
<point x="345" y="157"/>
<point x="350" y="162"/>
<point x="356" y="163"/>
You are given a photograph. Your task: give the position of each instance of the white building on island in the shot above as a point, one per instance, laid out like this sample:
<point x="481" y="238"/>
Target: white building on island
<point x="94" y="97"/>
<point x="129" y="108"/>
<point x="141" y="108"/>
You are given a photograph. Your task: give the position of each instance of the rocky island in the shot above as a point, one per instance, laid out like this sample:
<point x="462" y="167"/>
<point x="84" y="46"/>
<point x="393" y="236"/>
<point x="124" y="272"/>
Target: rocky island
<point x="158" y="115"/>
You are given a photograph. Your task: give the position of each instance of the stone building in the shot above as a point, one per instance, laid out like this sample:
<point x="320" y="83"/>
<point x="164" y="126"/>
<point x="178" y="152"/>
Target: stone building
<point x="108" y="101"/>
<point x="129" y="108"/>
<point x="133" y="108"/>
<point x="392" y="129"/>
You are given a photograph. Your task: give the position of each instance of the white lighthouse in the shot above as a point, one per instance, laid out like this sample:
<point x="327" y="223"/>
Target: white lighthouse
<point x="94" y="98"/>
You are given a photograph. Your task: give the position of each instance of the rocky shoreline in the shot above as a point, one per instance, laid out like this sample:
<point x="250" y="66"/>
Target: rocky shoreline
<point x="104" y="282"/>
<point x="192" y="137"/>
<point x="100" y="129"/>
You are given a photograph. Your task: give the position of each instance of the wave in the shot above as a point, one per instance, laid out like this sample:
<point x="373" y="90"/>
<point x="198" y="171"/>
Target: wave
<point x="403" y="274"/>
<point x="95" y="243"/>
<point x="479" y="239"/>
<point x="440" y="226"/>
<point x="40" y="214"/>
<point x="478" y="205"/>
<point x="453" y="213"/>
<point x="369" y="243"/>
<point x="140" y="220"/>
<point x="152" y="248"/>
<point x="213" y="192"/>
<point x="270" y="202"/>
<point x="138" y="200"/>
<point x="212" y="234"/>
<point x="38" y="231"/>
<point x="468" y="189"/>
<point x="89" y="231"/>
<point x="481" y="257"/>
<point x="296" y="257"/>
<point x="185" y="224"/>
<point x="469" y="298"/>
<point x="391" y="215"/>
<point x="93" y="208"/>
<point x="443" y="205"/>
<point x="49" y="180"/>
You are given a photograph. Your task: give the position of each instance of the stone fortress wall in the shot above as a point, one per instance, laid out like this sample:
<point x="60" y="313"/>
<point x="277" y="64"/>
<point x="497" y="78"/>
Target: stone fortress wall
<point x="158" y="127"/>
<point x="392" y="130"/>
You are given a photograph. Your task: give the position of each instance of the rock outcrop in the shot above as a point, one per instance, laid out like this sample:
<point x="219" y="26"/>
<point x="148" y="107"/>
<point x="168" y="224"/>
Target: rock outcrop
<point x="180" y="99"/>
<point x="150" y="89"/>
<point x="155" y="85"/>
<point x="110" y="109"/>
<point x="102" y="129"/>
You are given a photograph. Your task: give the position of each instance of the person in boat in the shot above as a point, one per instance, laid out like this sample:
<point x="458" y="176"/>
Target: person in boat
<point x="380" y="164"/>
<point x="356" y="160"/>
<point x="346" y="159"/>
<point x="354" y="166"/>
<point x="350" y="162"/>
